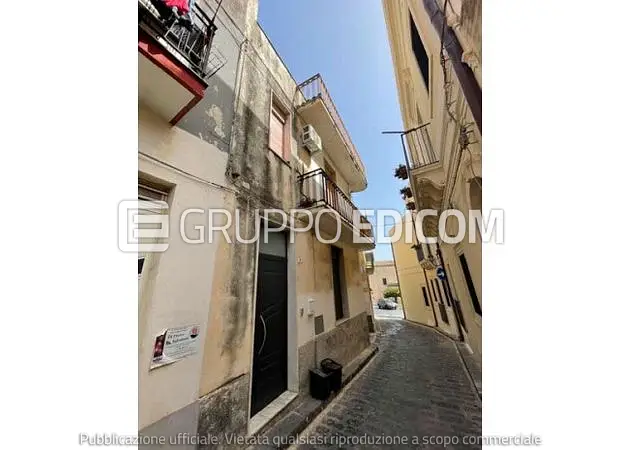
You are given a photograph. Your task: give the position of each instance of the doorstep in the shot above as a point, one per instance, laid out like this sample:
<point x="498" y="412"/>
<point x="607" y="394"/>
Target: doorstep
<point x="291" y="424"/>
<point x="269" y="412"/>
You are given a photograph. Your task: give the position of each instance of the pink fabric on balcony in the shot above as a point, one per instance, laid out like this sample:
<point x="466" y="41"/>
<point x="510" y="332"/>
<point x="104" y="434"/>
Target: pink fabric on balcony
<point x="182" y="5"/>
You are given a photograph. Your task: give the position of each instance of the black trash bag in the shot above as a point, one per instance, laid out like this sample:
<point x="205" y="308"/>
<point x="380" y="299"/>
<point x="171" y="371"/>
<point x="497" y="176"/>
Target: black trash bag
<point x="328" y="365"/>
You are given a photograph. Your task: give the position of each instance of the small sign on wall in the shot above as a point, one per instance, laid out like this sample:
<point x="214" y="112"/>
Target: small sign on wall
<point x="175" y="344"/>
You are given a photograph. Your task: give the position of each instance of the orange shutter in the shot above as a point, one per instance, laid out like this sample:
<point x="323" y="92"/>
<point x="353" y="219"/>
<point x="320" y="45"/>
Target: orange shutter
<point x="276" y="132"/>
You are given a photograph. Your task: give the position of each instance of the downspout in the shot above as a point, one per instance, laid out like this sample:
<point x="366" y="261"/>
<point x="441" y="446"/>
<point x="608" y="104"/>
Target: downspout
<point x="234" y="167"/>
<point x="469" y="85"/>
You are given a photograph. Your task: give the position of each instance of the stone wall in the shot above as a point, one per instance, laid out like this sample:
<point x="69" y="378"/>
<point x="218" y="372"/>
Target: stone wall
<point x="342" y="344"/>
<point x="224" y="411"/>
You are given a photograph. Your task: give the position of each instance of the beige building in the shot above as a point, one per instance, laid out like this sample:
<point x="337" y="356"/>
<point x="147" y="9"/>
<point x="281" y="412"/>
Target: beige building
<point x="437" y="59"/>
<point x="426" y="298"/>
<point x="228" y="330"/>
<point x="384" y="276"/>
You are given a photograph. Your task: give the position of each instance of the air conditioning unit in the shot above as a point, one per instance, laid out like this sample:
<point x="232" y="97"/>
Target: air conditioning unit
<point x="311" y="139"/>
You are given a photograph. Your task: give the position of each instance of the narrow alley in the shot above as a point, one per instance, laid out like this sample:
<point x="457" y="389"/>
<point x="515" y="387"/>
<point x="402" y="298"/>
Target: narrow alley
<point x="416" y="388"/>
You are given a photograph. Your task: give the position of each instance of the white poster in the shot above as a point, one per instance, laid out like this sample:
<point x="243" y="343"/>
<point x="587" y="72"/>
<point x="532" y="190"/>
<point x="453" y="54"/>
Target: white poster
<point x="175" y="344"/>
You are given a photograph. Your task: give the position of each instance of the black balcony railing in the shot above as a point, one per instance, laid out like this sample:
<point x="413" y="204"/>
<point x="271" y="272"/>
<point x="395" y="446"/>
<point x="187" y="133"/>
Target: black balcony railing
<point x="422" y="153"/>
<point x="190" y="35"/>
<point x="317" y="189"/>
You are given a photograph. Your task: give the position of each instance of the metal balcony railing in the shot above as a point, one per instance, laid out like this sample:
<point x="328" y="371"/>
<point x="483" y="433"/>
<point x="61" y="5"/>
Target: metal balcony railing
<point x="317" y="189"/>
<point x="313" y="88"/>
<point x="191" y="35"/>
<point x="421" y="148"/>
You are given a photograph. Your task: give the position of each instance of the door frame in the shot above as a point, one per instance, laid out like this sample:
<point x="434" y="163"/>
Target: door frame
<point x="342" y="282"/>
<point x="292" y="369"/>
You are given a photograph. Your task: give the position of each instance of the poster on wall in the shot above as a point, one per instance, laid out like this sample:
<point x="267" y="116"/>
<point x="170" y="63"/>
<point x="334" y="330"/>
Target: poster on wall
<point x="175" y="344"/>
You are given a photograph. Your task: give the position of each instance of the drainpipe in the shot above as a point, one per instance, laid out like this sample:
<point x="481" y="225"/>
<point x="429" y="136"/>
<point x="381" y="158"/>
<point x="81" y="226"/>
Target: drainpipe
<point x="469" y="85"/>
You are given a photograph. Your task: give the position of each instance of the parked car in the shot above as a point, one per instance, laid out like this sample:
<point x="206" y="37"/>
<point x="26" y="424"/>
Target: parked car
<point x="386" y="303"/>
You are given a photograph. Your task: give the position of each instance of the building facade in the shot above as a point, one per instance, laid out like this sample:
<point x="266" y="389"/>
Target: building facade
<point x="426" y="298"/>
<point x="228" y="140"/>
<point x="383" y="277"/>
<point x="436" y="51"/>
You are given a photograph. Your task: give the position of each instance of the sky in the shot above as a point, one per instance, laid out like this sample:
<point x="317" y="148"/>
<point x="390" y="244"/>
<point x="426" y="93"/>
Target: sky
<point x="347" y="44"/>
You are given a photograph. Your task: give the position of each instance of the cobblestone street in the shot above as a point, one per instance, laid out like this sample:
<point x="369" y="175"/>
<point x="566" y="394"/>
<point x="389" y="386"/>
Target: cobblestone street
<point x="414" y="390"/>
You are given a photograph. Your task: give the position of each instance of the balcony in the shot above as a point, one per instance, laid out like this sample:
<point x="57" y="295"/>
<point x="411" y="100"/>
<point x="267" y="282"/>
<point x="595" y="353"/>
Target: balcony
<point x="173" y="62"/>
<point x="325" y="199"/>
<point x="316" y="107"/>
<point x="425" y="256"/>
<point x="369" y="260"/>
<point x="421" y="149"/>
<point x="427" y="172"/>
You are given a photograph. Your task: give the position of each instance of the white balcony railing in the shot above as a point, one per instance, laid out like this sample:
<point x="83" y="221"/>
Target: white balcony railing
<point x="314" y="88"/>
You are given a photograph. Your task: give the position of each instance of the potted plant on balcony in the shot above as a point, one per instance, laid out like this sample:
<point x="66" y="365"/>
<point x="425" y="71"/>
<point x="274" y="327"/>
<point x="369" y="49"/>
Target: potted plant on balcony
<point x="406" y="192"/>
<point x="401" y="172"/>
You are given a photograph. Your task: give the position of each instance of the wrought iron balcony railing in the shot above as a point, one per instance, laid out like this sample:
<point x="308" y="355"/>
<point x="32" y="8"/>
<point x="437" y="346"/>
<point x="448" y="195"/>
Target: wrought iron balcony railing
<point x="317" y="189"/>
<point x="313" y="88"/>
<point x="191" y="35"/>
<point x="422" y="153"/>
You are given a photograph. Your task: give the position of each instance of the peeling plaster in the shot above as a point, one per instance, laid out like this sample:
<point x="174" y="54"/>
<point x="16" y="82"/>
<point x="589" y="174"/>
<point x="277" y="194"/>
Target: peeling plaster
<point x="216" y="113"/>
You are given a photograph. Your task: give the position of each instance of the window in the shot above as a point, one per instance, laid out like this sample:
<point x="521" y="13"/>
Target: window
<point x="385" y="282"/>
<point x="419" y="51"/>
<point x="147" y="193"/>
<point x="140" y="265"/>
<point x="278" y="137"/>
<point x="425" y="296"/>
<point x="470" y="285"/>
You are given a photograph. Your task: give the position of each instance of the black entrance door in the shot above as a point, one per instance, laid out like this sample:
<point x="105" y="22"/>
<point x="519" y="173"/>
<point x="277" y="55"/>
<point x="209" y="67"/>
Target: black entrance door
<point x="337" y="277"/>
<point x="270" y="332"/>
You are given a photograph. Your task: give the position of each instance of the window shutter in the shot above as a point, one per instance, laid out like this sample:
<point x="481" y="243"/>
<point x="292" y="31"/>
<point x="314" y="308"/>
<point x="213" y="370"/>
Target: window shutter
<point x="148" y="196"/>
<point x="276" y="132"/>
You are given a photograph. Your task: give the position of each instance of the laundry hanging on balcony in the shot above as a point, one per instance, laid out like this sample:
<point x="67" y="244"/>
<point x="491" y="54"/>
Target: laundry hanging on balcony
<point x="182" y="6"/>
